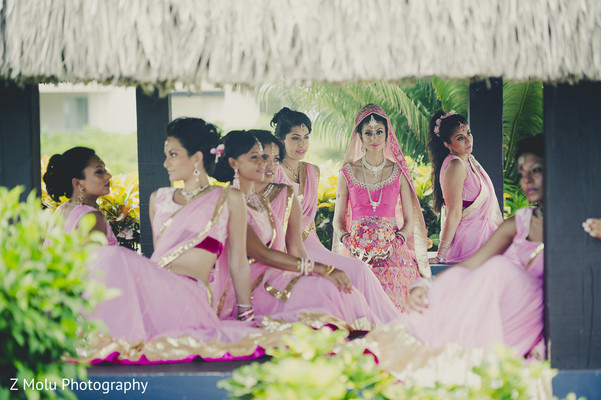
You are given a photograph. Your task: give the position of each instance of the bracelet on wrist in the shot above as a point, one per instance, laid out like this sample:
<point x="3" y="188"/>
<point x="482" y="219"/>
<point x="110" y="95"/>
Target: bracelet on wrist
<point x="329" y="270"/>
<point x="400" y="234"/>
<point x="345" y="234"/>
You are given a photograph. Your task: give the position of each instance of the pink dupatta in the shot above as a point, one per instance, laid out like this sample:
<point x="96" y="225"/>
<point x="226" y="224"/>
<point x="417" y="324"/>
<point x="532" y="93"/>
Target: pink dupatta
<point x="418" y="241"/>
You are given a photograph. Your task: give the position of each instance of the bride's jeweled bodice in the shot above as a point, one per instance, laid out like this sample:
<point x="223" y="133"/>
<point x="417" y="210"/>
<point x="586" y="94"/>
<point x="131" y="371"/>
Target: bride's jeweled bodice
<point x="359" y="199"/>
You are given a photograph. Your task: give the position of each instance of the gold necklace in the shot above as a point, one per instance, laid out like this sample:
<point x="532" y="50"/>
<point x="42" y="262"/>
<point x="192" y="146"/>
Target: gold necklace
<point x="374" y="204"/>
<point x="190" y="195"/>
<point x="295" y="173"/>
<point x="254" y="201"/>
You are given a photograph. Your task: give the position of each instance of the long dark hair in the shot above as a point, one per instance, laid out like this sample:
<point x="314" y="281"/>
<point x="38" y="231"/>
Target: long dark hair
<point x="285" y="119"/>
<point x="437" y="151"/>
<point x="195" y="134"/>
<point x="236" y="143"/>
<point x="266" y="137"/>
<point x="62" y="168"/>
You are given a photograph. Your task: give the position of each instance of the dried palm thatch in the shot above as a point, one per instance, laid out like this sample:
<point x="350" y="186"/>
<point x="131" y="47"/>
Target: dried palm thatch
<point x="262" y="41"/>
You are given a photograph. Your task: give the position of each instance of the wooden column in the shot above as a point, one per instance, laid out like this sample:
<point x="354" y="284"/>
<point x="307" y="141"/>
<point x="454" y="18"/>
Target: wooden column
<point x="20" y="136"/>
<point x="572" y="194"/>
<point x="153" y="114"/>
<point x="485" y="116"/>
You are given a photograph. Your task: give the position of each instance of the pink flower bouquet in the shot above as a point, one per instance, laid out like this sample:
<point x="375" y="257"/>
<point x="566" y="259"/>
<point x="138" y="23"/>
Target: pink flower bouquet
<point x="371" y="238"/>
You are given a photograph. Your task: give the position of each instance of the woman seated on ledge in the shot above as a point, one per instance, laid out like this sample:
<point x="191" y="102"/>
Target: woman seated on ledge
<point x="164" y="311"/>
<point x="496" y="295"/>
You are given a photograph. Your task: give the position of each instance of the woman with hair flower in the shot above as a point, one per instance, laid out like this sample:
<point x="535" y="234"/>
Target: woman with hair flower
<point x="378" y="216"/>
<point x="463" y="192"/>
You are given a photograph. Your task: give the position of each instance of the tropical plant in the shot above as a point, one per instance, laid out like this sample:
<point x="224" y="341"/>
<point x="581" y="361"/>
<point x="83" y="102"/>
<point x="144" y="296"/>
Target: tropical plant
<point x="44" y="291"/>
<point x="333" y="108"/>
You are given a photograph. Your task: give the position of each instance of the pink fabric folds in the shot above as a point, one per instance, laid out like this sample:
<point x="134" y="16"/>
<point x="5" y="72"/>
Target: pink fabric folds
<point x="499" y="302"/>
<point x="286" y="296"/>
<point x="160" y="316"/>
<point x="359" y="272"/>
<point x="480" y="218"/>
<point x="78" y="212"/>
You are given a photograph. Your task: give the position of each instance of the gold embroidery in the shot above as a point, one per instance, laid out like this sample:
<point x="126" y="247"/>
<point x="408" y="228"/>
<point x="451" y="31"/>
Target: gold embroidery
<point x="271" y="221"/>
<point x="301" y="180"/>
<point x="316" y="321"/>
<point x="289" y="199"/>
<point x="191" y="243"/>
<point x="307" y="230"/>
<point x="272" y="191"/>
<point x="170" y="219"/>
<point x="283" y="295"/>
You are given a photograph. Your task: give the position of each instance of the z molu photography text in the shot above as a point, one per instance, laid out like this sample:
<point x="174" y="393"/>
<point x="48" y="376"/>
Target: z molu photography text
<point x="74" y="385"/>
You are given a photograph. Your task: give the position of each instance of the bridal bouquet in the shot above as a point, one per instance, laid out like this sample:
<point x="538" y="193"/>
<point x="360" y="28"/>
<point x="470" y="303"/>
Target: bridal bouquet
<point x="371" y="238"/>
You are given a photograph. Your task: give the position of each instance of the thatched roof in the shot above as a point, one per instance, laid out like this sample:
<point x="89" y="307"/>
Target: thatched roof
<point x="263" y="41"/>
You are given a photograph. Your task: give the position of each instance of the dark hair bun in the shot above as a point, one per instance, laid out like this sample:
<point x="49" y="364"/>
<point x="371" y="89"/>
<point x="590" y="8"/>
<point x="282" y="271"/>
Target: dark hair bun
<point x="56" y="179"/>
<point x="285" y="119"/>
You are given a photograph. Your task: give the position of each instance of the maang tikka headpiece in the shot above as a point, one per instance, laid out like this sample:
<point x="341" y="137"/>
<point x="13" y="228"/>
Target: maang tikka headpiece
<point x="372" y="122"/>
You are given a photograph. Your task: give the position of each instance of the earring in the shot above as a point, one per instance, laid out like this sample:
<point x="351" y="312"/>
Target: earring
<point x="196" y="174"/>
<point x="236" y="181"/>
<point x="81" y="197"/>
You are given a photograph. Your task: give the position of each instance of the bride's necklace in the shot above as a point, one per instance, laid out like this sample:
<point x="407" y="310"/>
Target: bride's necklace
<point x="190" y="195"/>
<point x="295" y="172"/>
<point x="374" y="168"/>
<point x="254" y="201"/>
<point x="538" y="212"/>
<point x="374" y="204"/>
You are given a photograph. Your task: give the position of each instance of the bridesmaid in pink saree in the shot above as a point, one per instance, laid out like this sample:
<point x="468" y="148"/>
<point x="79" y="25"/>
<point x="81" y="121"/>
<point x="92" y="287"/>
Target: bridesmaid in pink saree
<point x="163" y="312"/>
<point x="285" y="288"/>
<point x="496" y="295"/>
<point x="295" y="224"/>
<point x="378" y="216"/>
<point x="463" y="192"/>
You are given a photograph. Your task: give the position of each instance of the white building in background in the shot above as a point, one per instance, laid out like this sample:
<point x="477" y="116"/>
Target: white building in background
<point x="75" y="108"/>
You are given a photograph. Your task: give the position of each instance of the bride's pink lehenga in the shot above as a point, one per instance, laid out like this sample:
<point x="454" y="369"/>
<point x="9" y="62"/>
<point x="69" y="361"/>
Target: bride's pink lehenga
<point x="481" y="214"/>
<point x="280" y="297"/>
<point x="359" y="272"/>
<point x="396" y="264"/>
<point x="162" y="317"/>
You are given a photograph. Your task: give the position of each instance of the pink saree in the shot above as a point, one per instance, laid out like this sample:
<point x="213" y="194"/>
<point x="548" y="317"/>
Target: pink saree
<point x="481" y="215"/>
<point x="159" y="316"/>
<point x="281" y="297"/>
<point x="359" y="272"/>
<point x="499" y="302"/>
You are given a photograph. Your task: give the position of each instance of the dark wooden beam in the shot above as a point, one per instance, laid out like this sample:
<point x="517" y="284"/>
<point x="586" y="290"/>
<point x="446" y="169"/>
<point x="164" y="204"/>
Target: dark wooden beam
<point x="20" y="136"/>
<point x="153" y="114"/>
<point x="572" y="194"/>
<point x="485" y="116"/>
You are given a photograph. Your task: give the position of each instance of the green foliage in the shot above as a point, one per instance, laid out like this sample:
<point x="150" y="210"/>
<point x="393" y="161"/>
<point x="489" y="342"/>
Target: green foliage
<point x="119" y="152"/>
<point x="514" y="198"/>
<point x="453" y="94"/>
<point x="522" y="118"/>
<point x="323" y="365"/>
<point x="42" y="294"/>
<point x="333" y="108"/>
<point x="307" y="369"/>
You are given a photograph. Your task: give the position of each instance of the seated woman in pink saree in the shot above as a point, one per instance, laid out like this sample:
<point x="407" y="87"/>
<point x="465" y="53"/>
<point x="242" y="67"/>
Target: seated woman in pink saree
<point x="293" y="129"/>
<point x="285" y="288"/>
<point x="463" y="192"/>
<point x="288" y="209"/>
<point x="164" y="310"/>
<point x="378" y="217"/>
<point x="493" y="297"/>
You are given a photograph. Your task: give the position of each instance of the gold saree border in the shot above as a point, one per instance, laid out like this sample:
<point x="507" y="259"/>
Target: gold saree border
<point x="163" y="261"/>
<point x="282" y="295"/>
<point x="316" y="321"/>
<point x="170" y="219"/>
<point x="302" y="179"/>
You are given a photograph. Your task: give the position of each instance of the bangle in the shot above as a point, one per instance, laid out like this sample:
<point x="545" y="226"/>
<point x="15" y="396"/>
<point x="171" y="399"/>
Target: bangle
<point x="329" y="270"/>
<point x="345" y="234"/>
<point x="245" y="312"/>
<point x="423" y="283"/>
<point x="444" y="243"/>
<point x="402" y="235"/>
<point x="440" y="259"/>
